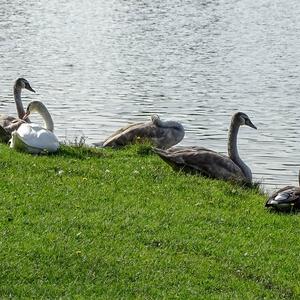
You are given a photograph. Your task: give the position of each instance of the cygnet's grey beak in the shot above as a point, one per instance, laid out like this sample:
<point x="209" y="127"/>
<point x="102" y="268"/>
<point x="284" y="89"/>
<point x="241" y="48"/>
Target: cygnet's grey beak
<point x="250" y="124"/>
<point x="29" y="88"/>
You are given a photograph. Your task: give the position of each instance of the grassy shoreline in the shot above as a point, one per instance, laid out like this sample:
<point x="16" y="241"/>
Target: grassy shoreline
<point x="88" y="223"/>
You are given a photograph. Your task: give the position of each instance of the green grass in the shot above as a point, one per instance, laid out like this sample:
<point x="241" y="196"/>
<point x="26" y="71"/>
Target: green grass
<point x="105" y="224"/>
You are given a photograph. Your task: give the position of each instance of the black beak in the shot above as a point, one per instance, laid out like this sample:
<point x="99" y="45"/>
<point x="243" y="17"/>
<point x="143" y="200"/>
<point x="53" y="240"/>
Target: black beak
<point x="29" y="88"/>
<point x="250" y="124"/>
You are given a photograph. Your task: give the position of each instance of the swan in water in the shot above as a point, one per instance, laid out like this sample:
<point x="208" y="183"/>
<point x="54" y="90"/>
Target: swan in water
<point x="163" y="134"/>
<point x="33" y="138"/>
<point x="8" y="124"/>
<point x="287" y="198"/>
<point x="210" y="163"/>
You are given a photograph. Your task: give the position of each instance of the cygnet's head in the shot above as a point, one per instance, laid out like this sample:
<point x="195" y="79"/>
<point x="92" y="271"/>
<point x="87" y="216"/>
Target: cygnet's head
<point x="155" y="119"/>
<point x="241" y="118"/>
<point x="22" y="83"/>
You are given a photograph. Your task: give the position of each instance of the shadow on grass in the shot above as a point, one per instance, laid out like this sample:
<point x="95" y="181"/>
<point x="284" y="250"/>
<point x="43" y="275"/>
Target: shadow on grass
<point x="141" y="149"/>
<point x="145" y="150"/>
<point x="81" y="152"/>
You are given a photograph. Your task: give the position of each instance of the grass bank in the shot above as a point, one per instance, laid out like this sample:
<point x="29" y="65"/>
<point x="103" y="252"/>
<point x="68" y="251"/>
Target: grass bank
<point x="121" y="224"/>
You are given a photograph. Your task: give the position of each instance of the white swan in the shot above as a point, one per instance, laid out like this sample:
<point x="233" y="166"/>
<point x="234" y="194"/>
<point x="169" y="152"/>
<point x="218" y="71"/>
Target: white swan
<point x="33" y="138"/>
<point x="8" y="124"/>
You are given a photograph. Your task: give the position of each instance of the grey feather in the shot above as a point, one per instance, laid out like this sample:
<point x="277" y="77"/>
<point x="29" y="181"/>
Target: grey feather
<point x="210" y="163"/>
<point x="9" y="123"/>
<point x="161" y="134"/>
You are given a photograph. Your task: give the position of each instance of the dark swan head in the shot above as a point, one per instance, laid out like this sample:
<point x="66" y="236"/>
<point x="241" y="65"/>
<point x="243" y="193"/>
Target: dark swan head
<point x="22" y="83"/>
<point x="241" y="118"/>
<point x="157" y="121"/>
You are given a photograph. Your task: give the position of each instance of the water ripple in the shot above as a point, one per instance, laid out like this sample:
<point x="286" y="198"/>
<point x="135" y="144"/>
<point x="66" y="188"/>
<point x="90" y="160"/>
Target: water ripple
<point x="99" y="65"/>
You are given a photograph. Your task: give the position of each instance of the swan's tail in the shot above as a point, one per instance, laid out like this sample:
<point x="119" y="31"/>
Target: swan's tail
<point x="16" y="141"/>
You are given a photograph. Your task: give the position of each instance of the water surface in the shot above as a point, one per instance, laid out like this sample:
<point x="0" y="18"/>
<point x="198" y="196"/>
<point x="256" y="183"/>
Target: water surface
<point x="100" y="64"/>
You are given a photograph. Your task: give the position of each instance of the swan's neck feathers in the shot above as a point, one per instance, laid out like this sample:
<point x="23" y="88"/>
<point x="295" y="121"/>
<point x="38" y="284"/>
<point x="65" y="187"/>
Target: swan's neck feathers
<point x="233" y="151"/>
<point x="166" y="124"/>
<point x="49" y="125"/>
<point x="18" y="101"/>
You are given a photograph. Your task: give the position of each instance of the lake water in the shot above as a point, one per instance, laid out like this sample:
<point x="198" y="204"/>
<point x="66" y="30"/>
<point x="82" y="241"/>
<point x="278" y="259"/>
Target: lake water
<point x="98" y="65"/>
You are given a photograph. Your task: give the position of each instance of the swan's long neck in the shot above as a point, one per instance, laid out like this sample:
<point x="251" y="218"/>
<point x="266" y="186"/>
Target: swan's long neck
<point x="233" y="151"/>
<point x="18" y="101"/>
<point x="49" y="125"/>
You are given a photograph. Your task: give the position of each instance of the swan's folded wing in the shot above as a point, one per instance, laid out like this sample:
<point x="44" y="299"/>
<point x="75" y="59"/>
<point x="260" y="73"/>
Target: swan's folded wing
<point x="203" y="161"/>
<point x="182" y="149"/>
<point x="28" y="130"/>
<point x="284" y="198"/>
<point x="6" y="120"/>
<point x="161" y="136"/>
<point x="166" y="137"/>
<point x="47" y="140"/>
<point x="130" y="134"/>
<point x="36" y="137"/>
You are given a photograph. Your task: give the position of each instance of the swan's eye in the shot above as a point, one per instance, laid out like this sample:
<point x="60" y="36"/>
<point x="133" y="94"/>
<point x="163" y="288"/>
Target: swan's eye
<point x="247" y="121"/>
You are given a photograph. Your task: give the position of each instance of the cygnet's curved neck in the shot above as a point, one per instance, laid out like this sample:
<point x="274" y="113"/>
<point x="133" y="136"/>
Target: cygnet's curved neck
<point x="166" y="124"/>
<point x="18" y="101"/>
<point x="43" y="111"/>
<point x="233" y="151"/>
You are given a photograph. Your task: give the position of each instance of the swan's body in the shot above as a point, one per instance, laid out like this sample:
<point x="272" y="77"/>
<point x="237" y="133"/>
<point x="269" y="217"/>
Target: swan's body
<point x="6" y="121"/>
<point x="163" y="134"/>
<point x="8" y="124"/>
<point x="287" y="198"/>
<point x="33" y="138"/>
<point x="210" y="163"/>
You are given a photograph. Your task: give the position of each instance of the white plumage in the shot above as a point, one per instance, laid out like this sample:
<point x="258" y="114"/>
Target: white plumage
<point x="34" y="138"/>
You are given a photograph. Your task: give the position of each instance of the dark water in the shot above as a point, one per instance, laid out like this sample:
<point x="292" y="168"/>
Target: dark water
<point x="100" y="64"/>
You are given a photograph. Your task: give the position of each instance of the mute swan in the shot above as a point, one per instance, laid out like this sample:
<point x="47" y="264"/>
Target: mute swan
<point x="287" y="198"/>
<point x="163" y="134"/>
<point x="210" y="163"/>
<point x="8" y="124"/>
<point x="33" y="138"/>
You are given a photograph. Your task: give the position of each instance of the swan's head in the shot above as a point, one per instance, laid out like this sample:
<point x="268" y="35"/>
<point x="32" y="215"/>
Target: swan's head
<point x="155" y="118"/>
<point x="34" y="106"/>
<point x="39" y="107"/>
<point x="22" y="83"/>
<point x="242" y="119"/>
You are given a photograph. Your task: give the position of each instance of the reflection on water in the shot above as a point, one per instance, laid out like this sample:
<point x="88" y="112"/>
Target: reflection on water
<point x="98" y="65"/>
